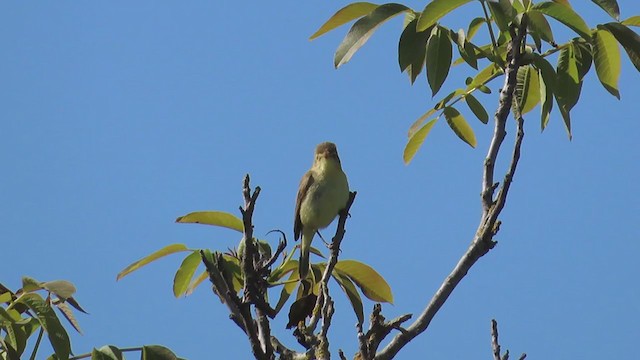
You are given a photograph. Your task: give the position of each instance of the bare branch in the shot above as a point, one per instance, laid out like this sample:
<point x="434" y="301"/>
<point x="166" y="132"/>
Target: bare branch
<point x="495" y="345"/>
<point x="483" y="239"/>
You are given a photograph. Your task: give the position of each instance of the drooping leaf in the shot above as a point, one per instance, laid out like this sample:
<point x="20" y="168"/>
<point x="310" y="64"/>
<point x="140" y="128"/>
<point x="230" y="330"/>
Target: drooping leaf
<point x="56" y="333"/>
<point x="476" y="108"/>
<point x="569" y="84"/>
<point x="465" y="48"/>
<point x="629" y="40"/>
<point x="412" y="49"/>
<point x="416" y="140"/>
<point x="547" y="80"/>
<point x="607" y="60"/>
<point x="610" y="7"/>
<point x="157" y="352"/>
<point x="76" y="305"/>
<point x="215" y="218"/>
<point x="68" y="314"/>
<point x="445" y="101"/>
<point x="484" y="76"/>
<point x="185" y="273"/>
<point x="539" y="25"/>
<point x="584" y="57"/>
<point x="343" y="16"/>
<point x="373" y="286"/>
<point x="438" y="61"/>
<point x="417" y="125"/>
<point x="435" y="10"/>
<point x="362" y="30"/>
<point x="565" y="15"/>
<point x="352" y="294"/>
<point x="459" y="125"/>
<point x="502" y="14"/>
<point x="62" y="288"/>
<point x="527" y="92"/>
<point x="196" y="282"/>
<point x="167" y="250"/>
<point x="288" y="287"/>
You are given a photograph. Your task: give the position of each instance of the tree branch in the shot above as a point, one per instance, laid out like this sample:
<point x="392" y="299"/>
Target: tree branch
<point x="483" y="239"/>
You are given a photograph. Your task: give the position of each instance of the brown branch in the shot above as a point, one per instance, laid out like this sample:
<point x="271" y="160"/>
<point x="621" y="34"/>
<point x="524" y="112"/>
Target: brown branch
<point x="495" y="345"/>
<point x="483" y="239"/>
<point x="224" y="292"/>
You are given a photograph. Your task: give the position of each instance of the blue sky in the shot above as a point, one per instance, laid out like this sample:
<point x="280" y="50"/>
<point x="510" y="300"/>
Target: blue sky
<point x="118" y="117"/>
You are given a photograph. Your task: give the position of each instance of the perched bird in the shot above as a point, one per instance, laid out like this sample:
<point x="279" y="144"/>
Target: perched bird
<point x="323" y="192"/>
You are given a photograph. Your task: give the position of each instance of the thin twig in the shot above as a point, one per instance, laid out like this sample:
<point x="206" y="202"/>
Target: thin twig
<point x="495" y="345"/>
<point x="482" y="241"/>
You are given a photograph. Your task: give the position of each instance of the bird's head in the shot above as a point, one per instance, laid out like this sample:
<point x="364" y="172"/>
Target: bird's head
<point x="327" y="151"/>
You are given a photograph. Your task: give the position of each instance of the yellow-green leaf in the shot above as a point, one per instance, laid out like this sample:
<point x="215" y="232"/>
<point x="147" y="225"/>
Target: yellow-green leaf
<point x="632" y="21"/>
<point x="362" y="30"/>
<point x="629" y="40"/>
<point x="476" y="108"/>
<point x="607" y="60"/>
<point x="474" y="26"/>
<point x="459" y="125"/>
<point x="435" y="10"/>
<point x="565" y="15"/>
<point x="527" y="92"/>
<point x="167" y="250"/>
<point x="185" y="273"/>
<point x="418" y="123"/>
<point x="539" y="25"/>
<point x="215" y="218"/>
<point x="373" y="286"/>
<point x="343" y="16"/>
<point x="288" y="287"/>
<point x="568" y="84"/>
<point x="438" y="61"/>
<point x="416" y="140"/>
<point x="196" y="282"/>
<point x="485" y="75"/>
<point x="547" y="80"/>
<point x="58" y="336"/>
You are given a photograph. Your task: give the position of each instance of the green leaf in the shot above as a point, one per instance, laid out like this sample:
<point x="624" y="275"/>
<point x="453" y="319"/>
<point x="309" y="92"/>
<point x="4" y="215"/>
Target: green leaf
<point x="196" y="282"/>
<point x="474" y="26"/>
<point x="68" y="314"/>
<point x="167" y="250"/>
<point x="629" y="40"/>
<point x="632" y="21"/>
<point x="459" y="125"/>
<point x="607" y="60"/>
<point x="439" y="54"/>
<point x="30" y="284"/>
<point x="476" y="108"/>
<point x="565" y="15"/>
<point x="501" y="14"/>
<point x="352" y="294"/>
<point x="343" y="16"/>
<point x="442" y="103"/>
<point x="527" y="92"/>
<point x="107" y="352"/>
<point x="288" y="287"/>
<point x="418" y="123"/>
<point x="583" y="56"/>
<point x="569" y="84"/>
<point x="547" y="80"/>
<point x="610" y="7"/>
<point x="465" y="48"/>
<point x="56" y="333"/>
<point x="539" y="25"/>
<point x="157" y="352"/>
<point x="362" y="30"/>
<point x="484" y="76"/>
<point x="215" y="218"/>
<point x="435" y="10"/>
<point x="185" y="273"/>
<point x="373" y="286"/>
<point x="62" y="288"/>
<point x="416" y="140"/>
<point x="412" y="50"/>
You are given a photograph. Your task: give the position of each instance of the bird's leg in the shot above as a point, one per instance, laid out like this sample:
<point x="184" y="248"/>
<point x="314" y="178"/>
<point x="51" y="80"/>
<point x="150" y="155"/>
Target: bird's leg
<point x="321" y="238"/>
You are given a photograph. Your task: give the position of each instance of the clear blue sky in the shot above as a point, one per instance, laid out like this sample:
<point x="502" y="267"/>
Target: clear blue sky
<point x="117" y="117"/>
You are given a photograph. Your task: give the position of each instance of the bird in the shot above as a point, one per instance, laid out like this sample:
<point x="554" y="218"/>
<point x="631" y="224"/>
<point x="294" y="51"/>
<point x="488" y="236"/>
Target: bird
<point x="322" y="194"/>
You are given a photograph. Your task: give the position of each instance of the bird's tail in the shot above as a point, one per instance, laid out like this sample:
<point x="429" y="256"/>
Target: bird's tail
<point x="305" y="244"/>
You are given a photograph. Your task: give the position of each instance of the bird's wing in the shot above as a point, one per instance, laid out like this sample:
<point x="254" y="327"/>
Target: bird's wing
<point x="305" y="183"/>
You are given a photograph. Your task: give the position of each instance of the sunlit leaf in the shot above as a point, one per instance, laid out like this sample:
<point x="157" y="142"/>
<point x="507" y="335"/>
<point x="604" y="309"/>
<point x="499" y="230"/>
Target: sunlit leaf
<point x="418" y="123"/>
<point x="185" y="273"/>
<point x="527" y="92"/>
<point x="167" y="250"/>
<point x="484" y="76"/>
<point x="30" y="284"/>
<point x="196" y="282"/>
<point x="476" y="108"/>
<point x="412" y="49"/>
<point x="362" y="30"/>
<point x="68" y="314"/>
<point x="607" y="60"/>
<point x="438" y="61"/>
<point x="62" y="288"/>
<point x="435" y="10"/>
<point x="632" y="21"/>
<point x="215" y="218"/>
<point x="629" y="40"/>
<point x="569" y="84"/>
<point x="501" y="14"/>
<point x="547" y="80"/>
<point x="416" y="140"/>
<point x="459" y="125"/>
<point x="610" y="7"/>
<point x="474" y="26"/>
<point x="539" y="24"/>
<point x="373" y="286"/>
<point x="288" y="287"/>
<point x="343" y="16"/>
<point x="565" y="15"/>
